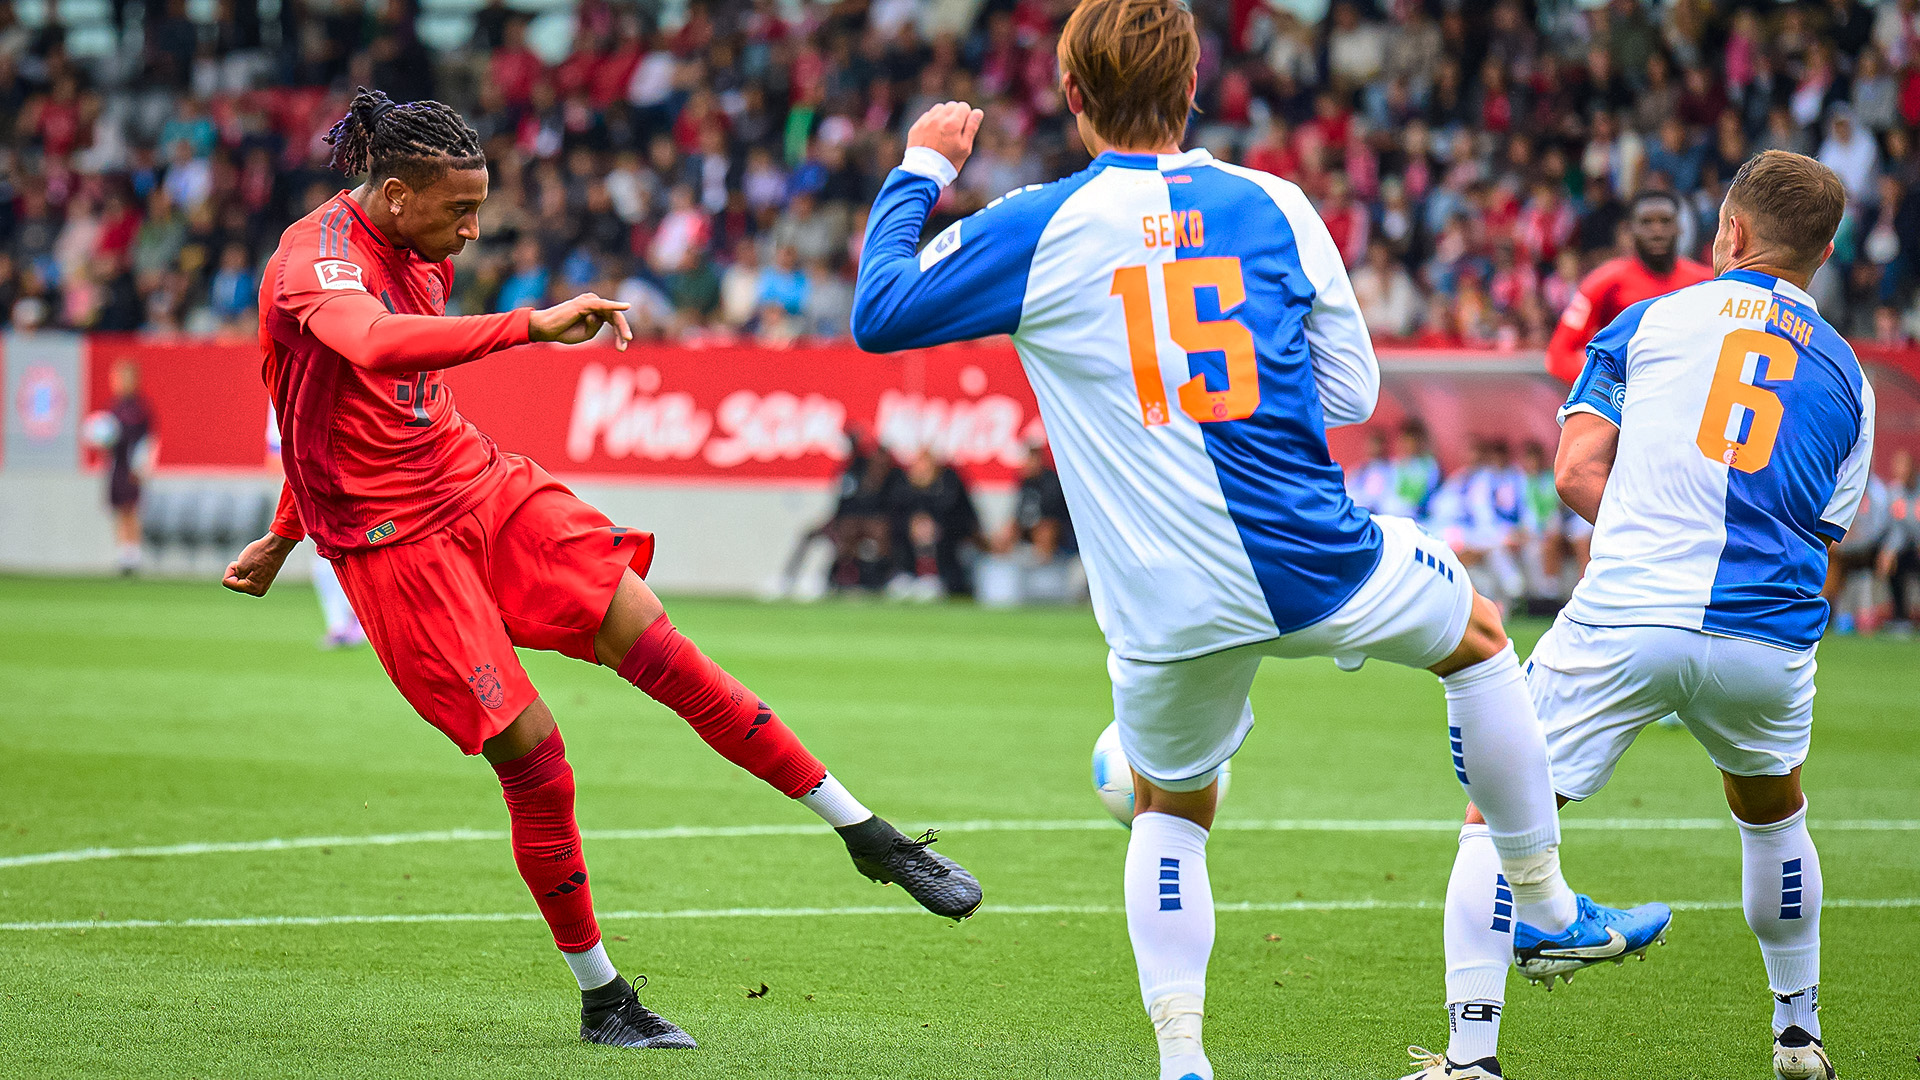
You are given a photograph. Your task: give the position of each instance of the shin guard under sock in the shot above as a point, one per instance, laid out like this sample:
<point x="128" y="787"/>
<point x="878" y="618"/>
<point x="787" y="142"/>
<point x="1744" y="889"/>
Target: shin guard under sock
<point x="672" y="670"/>
<point x="538" y="787"/>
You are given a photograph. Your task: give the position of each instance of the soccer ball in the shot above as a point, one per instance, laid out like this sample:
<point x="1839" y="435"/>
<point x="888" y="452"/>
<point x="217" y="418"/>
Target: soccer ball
<point x="101" y="429"/>
<point x="1113" y="777"/>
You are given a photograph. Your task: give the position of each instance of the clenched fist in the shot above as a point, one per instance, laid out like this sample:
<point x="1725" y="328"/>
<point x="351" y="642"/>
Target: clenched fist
<point x="949" y="128"/>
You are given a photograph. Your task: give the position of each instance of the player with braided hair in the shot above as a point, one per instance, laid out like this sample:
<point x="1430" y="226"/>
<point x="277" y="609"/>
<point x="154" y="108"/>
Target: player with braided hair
<point x="454" y="552"/>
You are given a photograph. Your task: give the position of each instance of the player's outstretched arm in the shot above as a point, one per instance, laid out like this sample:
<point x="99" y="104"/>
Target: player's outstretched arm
<point x="969" y="281"/>
<point x="253" y="572"/>
<point x="579" y="319"/>
<point x="360" y="328"/>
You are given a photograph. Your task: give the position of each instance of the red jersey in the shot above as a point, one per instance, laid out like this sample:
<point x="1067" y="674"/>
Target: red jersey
<point x="1613" y="287"/>
<point x="354" y="338"/>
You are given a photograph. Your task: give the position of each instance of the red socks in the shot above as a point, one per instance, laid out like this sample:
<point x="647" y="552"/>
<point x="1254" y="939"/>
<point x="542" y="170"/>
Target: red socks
<point x="546" y="841"/>
<point x="673" y="671"/>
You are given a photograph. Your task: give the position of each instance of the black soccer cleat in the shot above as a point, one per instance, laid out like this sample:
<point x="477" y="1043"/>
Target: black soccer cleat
<point x="883" y="853"/>
<point x="613" y="1016"/>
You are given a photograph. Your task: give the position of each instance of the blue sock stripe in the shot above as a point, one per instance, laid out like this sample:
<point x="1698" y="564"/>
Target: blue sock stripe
<point x="1169" y="903"/>
<point x="1503" y="926"/>
<point x="1791" y="891"/>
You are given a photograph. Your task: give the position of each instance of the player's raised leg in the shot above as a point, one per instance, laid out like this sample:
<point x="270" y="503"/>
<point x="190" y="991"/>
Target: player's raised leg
<point x="1780" y="889"/>
<point x="537" y="782"/>
<point x="638" y="640"/>
<point x="1506" y="890"/>
<point x="1500" y="757"/>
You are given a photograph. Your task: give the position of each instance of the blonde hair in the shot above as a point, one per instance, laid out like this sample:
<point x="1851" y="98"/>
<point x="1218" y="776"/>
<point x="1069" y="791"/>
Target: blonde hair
<point x="1134" y="62"/>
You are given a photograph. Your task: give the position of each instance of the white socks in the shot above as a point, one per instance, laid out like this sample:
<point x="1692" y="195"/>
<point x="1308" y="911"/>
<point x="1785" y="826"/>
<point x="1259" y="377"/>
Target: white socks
<point x="834" y="803"/>
<point x="1170" y="919"/>
<point x="1479" y="937"/>
<point x="1500" y="756"/>
<point x="1780" y="884"/>
<point x="591" y="969"/>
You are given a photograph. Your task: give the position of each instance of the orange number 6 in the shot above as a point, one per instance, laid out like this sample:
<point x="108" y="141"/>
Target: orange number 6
<point x="1732" y="397"/>
<point x="1184" y="278"/>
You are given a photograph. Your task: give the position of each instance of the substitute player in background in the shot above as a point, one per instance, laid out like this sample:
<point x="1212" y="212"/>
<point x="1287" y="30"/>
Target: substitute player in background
<point x="1189" y="331"/>
<point x="1730" y="430"/>
<point x="1654" y="269"/>
<point x="455" y="552"/>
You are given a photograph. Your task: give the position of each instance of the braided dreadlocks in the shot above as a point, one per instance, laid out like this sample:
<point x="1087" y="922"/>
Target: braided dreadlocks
<point x="417" y="142"/>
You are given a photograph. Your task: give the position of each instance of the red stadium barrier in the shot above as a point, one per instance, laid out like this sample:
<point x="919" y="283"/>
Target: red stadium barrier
<point x="662" y="413"/>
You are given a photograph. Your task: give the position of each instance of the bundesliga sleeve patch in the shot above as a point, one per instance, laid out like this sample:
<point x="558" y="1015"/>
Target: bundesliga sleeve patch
<point x="339" y="274"/>
<point x="942" y="246"/>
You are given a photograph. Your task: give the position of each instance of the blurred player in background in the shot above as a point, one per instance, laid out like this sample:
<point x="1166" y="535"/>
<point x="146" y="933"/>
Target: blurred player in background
<point x="1900" y="552"/>
<point x="455" y="552"/>
<point x="1731" y="431"/>
<point x="1371" y="486"/>
<point x="1654" y="269"/>
<point x="1416" y="472"/>
<point x="343" y="626"/>
<point x="1190" y="332"/>
<point x="1545" y="552"/>
<point x="1495" y="522"/>
<point x="128" y="433"/>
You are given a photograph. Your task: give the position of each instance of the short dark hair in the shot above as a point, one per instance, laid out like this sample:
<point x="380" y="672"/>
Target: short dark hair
<point x="417" y="142"/>
<point x="1134" y="62"/>
<point x="1791" y="200"/>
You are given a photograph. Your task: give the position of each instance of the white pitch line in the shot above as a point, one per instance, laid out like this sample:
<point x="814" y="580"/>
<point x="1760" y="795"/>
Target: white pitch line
<point x="709" y="832"/>
<point x="696" y="914"/>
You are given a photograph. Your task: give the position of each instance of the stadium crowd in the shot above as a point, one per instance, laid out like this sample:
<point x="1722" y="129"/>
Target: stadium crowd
<point x="1472" y="160"/>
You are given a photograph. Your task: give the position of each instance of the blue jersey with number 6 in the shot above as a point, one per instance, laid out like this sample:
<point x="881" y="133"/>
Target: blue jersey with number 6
<point x="1190" y="333"/>
<point x="1746" y="436"/>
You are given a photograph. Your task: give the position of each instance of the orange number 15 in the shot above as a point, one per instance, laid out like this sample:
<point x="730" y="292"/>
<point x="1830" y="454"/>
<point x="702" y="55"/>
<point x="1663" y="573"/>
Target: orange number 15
<point x="1184" y="278"/>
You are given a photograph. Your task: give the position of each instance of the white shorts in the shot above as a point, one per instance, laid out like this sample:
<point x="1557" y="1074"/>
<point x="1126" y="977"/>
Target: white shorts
<point x="1181" y="720"/>
<point x="1595" y="687"/>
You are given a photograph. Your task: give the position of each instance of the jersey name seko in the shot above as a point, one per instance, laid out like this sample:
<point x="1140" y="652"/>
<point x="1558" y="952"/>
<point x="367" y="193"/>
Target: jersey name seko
<point x="1190" y="333"/>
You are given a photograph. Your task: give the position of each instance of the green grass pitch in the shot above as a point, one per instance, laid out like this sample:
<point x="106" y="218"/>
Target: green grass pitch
<point x="157" y="714"/>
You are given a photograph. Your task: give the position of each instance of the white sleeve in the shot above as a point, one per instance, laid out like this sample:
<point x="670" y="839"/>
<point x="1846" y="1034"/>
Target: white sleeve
<point x="1344" y="367"/>
<point x="1852" y="480"/>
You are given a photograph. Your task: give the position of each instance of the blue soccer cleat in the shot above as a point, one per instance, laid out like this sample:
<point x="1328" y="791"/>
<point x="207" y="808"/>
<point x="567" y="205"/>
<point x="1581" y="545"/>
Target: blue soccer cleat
<point x="1599" y="934"/>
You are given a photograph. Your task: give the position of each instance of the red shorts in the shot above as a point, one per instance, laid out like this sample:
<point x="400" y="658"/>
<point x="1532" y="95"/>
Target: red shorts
<point x="532" y="566"/>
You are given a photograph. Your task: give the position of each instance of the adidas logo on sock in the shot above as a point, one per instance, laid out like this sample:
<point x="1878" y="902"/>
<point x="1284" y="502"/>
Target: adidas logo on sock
<point x="760" y="720"/>
<point x="573" y="883"/>
<point x="1169" y="884"/>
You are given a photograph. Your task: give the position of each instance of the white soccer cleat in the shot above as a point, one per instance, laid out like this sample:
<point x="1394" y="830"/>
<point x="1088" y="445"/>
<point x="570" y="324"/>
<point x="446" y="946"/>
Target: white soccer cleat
<point x="1799" y="1056"/>
<point x="1176" y="1025"/>
<point x="1432" y="1066"/>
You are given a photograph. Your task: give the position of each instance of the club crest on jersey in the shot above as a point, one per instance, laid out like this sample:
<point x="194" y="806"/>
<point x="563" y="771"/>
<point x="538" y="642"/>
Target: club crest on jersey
<point x="436" y="294"/>
<point x="487" y="687"/>
<point x="339" y="274"/>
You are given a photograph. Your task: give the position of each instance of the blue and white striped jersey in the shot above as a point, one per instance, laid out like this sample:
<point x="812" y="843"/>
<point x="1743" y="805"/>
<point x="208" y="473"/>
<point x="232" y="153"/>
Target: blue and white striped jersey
<point x="1746" y="435"/>
<point x="1190" y="333"/>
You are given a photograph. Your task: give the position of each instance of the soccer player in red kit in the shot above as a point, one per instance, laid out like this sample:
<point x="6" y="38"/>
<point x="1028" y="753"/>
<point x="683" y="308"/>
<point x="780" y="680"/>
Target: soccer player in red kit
<point x="1654" y="269"/>
<point x="454" y="551"/>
